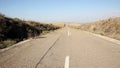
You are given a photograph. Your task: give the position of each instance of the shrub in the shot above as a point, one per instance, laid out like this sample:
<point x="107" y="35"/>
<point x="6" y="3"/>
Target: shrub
<point x="6" y="43"/>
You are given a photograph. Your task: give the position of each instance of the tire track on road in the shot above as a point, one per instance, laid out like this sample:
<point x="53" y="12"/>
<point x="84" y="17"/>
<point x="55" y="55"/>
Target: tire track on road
<point x="47" y="51"/>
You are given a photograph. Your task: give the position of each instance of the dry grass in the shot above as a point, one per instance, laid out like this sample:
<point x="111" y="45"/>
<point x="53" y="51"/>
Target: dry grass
<point x="6" y="43"/>
<point x="61" y="25"/>
<point x="109" y="27"/>
<point x="75" y="25"/>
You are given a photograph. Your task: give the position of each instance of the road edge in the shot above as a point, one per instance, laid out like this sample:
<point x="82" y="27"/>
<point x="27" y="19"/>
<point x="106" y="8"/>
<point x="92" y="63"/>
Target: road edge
<point x="105" y="37"/>
<point x="19" y="43"/>
<point x="15" y="45"/>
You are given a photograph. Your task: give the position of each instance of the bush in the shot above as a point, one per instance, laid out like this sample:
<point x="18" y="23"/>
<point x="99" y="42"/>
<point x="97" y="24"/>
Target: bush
<point x="2" y="15"/>
<point x="45" y="32"/>
<point x="2" y="46"/>
<point x="17" y="30"/>
<point x="6" y="43"/>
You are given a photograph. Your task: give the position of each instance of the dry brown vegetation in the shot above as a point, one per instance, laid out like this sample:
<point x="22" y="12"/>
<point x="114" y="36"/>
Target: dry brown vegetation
<point x="109" y="27"/>
<point x="61" y="25"/>
<point x="13" y="30"/>
<point x="74" y="25"/>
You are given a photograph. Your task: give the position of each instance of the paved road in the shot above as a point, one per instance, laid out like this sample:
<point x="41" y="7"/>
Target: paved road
<point x="64" y="48"/>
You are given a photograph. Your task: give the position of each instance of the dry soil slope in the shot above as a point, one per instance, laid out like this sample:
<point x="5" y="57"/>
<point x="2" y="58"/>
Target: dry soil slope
<point x="108" y="27"/>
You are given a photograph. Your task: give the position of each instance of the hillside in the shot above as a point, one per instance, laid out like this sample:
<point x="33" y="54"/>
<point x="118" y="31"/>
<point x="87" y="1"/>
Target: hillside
<point x="109" y="27"/>
<point x="15" y="30"/>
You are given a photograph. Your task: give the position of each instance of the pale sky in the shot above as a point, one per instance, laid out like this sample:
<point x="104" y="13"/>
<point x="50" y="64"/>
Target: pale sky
<point x="61" y="10"/>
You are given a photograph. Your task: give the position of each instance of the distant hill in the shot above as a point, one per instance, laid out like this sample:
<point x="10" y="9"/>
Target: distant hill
<point x="109" y="27"/>
<point x="13" y="30"/>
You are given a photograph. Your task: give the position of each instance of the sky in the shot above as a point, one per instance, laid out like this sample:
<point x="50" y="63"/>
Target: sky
<point x="60" y="10"/>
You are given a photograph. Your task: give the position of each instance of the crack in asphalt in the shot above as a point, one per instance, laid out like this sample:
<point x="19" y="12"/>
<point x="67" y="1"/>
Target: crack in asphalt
<point x="47" y="51"/>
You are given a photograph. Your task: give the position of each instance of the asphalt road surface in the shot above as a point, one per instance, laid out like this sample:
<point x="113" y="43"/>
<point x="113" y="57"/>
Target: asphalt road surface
<point x="64" y="48"/>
